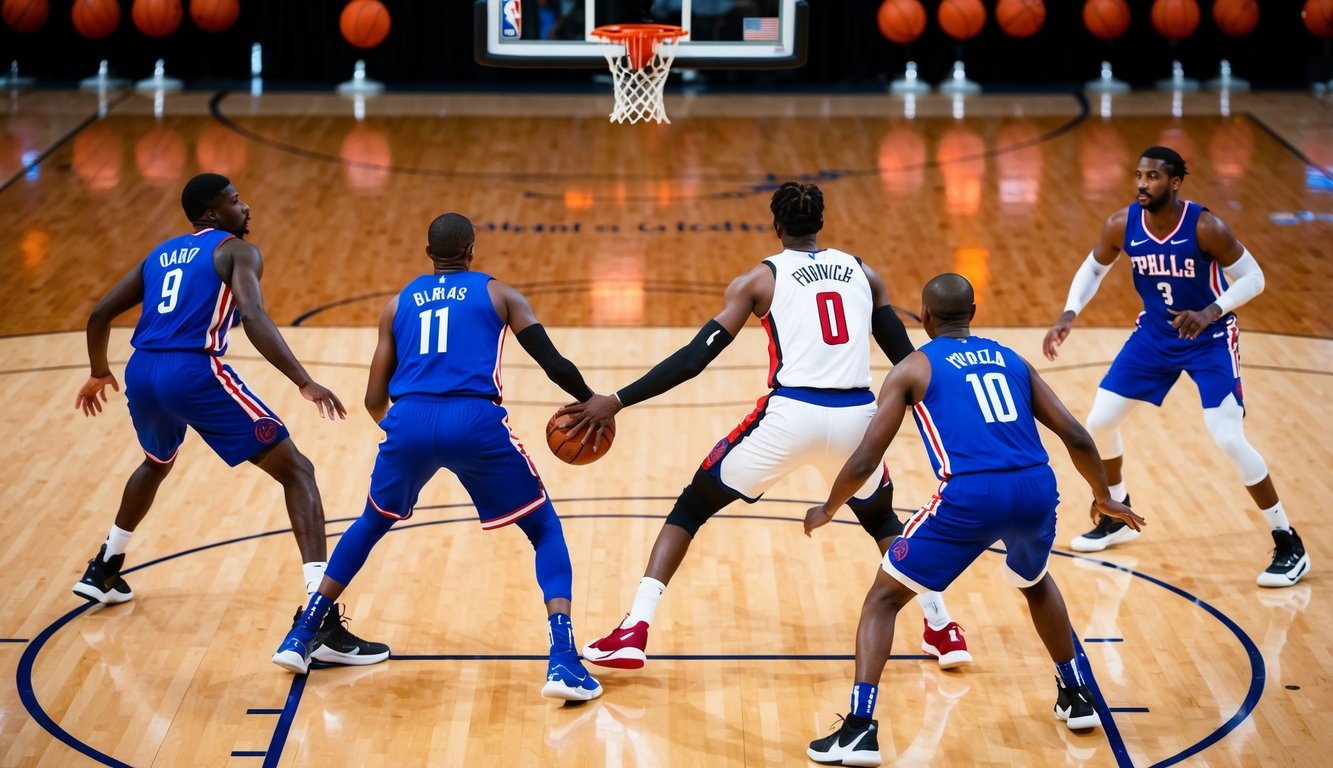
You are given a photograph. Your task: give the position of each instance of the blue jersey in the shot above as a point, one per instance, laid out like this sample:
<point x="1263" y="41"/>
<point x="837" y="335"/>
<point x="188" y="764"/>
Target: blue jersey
<point x="186" y="306"/>
<point x="976" y="415"/>
<point x="1171" y="273"/>
<point x="448" y="337"/>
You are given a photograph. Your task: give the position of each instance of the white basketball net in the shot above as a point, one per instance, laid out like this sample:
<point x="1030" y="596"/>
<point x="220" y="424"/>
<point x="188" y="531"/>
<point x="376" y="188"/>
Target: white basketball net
<point x="639" y="91"/>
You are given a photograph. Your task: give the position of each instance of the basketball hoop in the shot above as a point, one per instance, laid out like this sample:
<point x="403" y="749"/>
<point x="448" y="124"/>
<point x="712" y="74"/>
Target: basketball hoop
<point x="640" y="57"/>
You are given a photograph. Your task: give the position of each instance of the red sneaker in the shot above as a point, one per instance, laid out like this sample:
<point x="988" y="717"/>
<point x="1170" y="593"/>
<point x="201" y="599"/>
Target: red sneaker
<point x="946" y="644"/>
<point x="622" y="649"/>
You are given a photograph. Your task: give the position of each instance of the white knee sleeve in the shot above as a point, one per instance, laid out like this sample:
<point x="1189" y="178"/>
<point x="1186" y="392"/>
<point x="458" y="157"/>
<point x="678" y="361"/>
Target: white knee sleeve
<point x="1225" y="424"/>
<point x="1108" y="411"/>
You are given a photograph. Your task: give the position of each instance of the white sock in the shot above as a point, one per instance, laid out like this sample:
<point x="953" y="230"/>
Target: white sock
<point x="932" y="605"/>
<point x="119" y="539"/>
<point x="1276" y="517"/>
<point x="314" y="574"/>
<point x="1118" y="492"/>
<point x="645" y="602"/>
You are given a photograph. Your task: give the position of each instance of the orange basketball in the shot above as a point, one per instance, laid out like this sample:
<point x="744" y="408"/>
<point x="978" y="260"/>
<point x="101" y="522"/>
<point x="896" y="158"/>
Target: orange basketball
<point x="1318" y="17"/>
<point x="1236" y="18"/>
<point x="902" y="21"/>
<point x="570" y="449"/>
<point x="214" y="15"/>
<point x="364" y="23"/>
<point x="26" y="16"/>
<point x="1106" y="19"/>
<point x="157" y="18"/>
<point x="1020" y="18"/>
<point x="1175" y="19"/>
<point x="95" y="19"/>
<point x="962" y="19"/>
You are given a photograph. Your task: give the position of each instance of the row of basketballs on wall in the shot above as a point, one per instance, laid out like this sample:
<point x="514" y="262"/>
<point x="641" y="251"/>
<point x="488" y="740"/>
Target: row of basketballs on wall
<point x="903" y="21"/>
<point x="364" y="23"/>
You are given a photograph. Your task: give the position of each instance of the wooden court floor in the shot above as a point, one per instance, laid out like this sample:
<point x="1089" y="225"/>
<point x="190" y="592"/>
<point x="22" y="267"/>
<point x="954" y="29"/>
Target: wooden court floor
<point x="624" y="238"/>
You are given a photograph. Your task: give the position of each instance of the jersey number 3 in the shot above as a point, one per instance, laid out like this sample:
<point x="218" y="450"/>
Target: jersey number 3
<point x="832" y="319"/>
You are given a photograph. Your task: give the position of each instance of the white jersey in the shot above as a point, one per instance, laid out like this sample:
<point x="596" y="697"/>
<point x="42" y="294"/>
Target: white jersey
<point x="819" y="323"/>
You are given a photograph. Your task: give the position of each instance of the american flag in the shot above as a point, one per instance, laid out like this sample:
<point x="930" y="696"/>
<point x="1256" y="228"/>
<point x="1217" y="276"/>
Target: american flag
<point x="760" y="28"/>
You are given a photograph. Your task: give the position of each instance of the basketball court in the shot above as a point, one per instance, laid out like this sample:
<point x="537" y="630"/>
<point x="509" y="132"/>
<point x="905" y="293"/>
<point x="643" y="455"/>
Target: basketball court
<point x="624" y="237"/>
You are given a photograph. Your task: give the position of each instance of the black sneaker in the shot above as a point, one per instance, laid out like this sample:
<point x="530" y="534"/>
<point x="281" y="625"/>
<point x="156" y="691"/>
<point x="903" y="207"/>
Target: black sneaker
<point x="335" y="645"/>
<point x="1074" y="707"/>
<point x="101" y="582"/>
<point x="851" y="745"/>
<point x="1290" y="563"/>
<point x="1108" y="531"/>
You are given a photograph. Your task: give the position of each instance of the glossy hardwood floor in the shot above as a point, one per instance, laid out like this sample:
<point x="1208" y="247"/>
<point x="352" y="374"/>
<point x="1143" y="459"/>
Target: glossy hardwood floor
<point x="624" y="238"/>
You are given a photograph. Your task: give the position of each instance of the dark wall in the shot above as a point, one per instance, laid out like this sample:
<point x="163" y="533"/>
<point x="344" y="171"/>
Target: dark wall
<point x="430" y="45"/>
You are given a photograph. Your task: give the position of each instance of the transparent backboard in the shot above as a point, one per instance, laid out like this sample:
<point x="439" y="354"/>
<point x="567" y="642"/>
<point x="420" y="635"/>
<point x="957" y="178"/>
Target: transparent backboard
<point x="723" y="34"/>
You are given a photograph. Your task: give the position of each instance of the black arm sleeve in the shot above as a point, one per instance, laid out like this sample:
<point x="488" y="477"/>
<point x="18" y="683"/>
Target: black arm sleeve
<point x="890" y="334"/>
<point x="683" y="365"/>
<point x="558" y="368"/>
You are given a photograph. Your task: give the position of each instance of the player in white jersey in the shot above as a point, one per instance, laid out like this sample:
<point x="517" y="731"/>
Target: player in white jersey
<point x="820" y="307"/>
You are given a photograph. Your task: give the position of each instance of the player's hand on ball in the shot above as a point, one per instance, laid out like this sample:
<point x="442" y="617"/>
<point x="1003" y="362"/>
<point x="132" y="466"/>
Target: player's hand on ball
<point x="1117" y="511"/>
<point x="587" y="420"/>
<point x="817" y="517"/>
<point x="95" y="387"/>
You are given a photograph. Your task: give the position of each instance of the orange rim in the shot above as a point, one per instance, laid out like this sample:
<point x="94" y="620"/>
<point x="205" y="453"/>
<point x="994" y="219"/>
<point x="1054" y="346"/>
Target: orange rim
<point x="641" y="31"/>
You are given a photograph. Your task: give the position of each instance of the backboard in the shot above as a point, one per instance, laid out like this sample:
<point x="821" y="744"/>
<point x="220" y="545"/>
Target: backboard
<point x="723" y="34"/>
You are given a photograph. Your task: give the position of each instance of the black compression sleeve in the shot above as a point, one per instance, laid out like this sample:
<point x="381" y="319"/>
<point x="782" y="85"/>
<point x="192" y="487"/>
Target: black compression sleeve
<point x="683" y="365"/>
<point x="890" y="334"/>
<point x="558" y="368"/>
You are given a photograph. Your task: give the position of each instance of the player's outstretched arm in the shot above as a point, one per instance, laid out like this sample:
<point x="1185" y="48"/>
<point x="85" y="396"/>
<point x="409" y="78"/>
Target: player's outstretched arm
<point x="1087" y="280"/>
<point x="904" y="386"/>
<point x="382" y="364"/>
<point x="514" y="309"/>
<point x="885" y="325"/>
<point x="124" y="296"/>
<point x="1048" y="409"/>
<point x="1244" y="277"/>
<point x="240" y="266"/>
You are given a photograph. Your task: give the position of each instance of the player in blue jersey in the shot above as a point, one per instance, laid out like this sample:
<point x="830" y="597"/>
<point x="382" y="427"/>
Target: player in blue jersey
<point x="190" y="288"/>
<point x="1192" y="274"/>
<point x="976" y="404"/>
<point x="438" y="361"/>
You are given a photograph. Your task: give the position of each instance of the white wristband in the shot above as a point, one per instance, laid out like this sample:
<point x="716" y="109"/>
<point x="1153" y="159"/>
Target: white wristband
<point x="1086" y="281"/>
<point x="1246" y="281"/>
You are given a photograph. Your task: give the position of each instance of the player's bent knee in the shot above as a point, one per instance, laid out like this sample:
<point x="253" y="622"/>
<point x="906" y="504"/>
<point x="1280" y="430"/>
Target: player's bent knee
<point x="700" y="500"/>
<point x="876" y="514"/>
<point x="1018" y="581"/>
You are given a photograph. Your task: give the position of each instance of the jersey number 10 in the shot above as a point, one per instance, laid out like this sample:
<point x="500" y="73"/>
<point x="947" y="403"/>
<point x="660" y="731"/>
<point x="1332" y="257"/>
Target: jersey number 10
<point x="993" y="397"/>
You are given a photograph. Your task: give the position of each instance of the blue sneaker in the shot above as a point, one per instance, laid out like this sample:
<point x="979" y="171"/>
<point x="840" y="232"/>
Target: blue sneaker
<point x="567" y="679"/>
<point x="293" y="655"/>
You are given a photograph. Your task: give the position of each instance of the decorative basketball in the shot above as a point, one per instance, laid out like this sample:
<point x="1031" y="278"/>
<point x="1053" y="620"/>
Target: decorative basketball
<point x="902" y="21"/>
<point x="26" y="16"/>
<point x="157" y="18"/>
<point x="1106" y="19"/>
<point x="962" y="19"/>
<point x="95" y="19"/>
<point x="1020" y="18"/>
<point x="1236" y="18"/>
<point x="1175" y="19"/>
<point x="364" y="23"/>
<point x="570" y="450"/>
<point x="1318" y="17"/>
<point x="214" y="15"/>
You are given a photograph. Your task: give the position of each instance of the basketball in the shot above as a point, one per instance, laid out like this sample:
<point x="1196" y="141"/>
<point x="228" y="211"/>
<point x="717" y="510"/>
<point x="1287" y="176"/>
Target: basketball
<point x="1175" y="19"/>
<point x="902" y="21"/>
<point x="571" y="450"/>
<point x="364" y="23"/>
<point x="95" y="19"/>
<point x="962" y="19"/>
<point x="157" y="18"/>
<point x="1236" y="18"/>
<point x="26" y="16"/>
<point x="1106" y="19"/>
<point x="1318" y="17"/>
<point x="214" y="15"/>
<point x="1020" y="18"/>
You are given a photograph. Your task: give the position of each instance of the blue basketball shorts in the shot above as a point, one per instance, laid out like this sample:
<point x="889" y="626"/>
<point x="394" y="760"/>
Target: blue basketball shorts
<point x="970" y="513"/>
<point x="169" y="391"/>
<point x="470" y="437"/>
<point x="1149" y="364"/>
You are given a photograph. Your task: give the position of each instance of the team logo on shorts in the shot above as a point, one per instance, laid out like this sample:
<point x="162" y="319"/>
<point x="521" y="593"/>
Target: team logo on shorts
<point x="716" y="454"/>
<point x="266" y="430"/>
<point x="899" y="549"/>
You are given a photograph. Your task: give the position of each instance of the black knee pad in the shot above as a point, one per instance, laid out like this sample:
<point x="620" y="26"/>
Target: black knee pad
<point x="700" y="500"/>
<point x="876" y="514"/>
